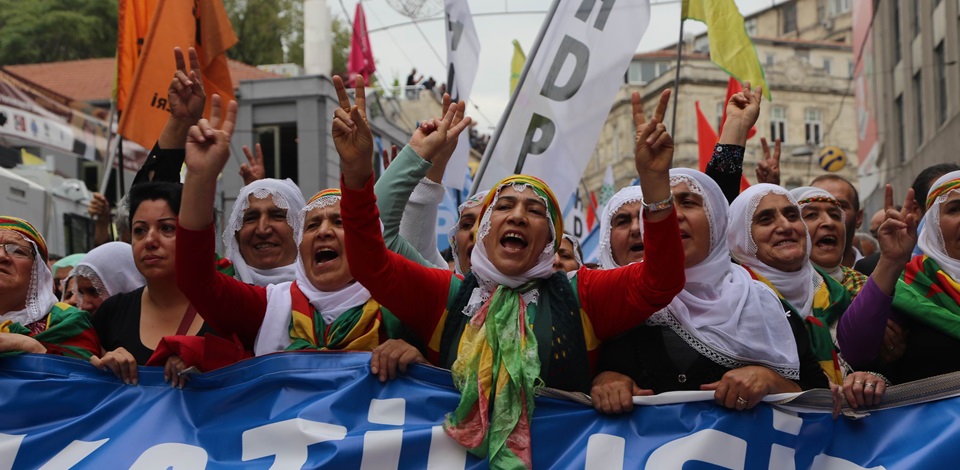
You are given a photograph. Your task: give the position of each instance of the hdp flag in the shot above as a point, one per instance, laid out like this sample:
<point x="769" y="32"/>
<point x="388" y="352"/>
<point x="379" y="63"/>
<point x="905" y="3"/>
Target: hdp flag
<point x="730" y="46"/>
<point x="176" y="23"/>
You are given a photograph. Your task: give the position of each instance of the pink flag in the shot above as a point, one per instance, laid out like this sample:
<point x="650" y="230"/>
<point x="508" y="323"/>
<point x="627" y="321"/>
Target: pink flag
<point x="361" y="56"/>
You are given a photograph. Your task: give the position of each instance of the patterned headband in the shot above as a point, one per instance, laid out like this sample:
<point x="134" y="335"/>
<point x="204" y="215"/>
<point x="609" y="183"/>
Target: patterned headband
<point x="944" y="188"/>
<point x="542" y="190"/>
<point x="24" y="228"/>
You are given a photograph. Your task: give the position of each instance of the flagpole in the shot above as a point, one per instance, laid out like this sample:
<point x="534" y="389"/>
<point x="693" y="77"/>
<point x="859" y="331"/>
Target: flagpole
<point x="478" y="177"/>
<point x="676" y="83"/>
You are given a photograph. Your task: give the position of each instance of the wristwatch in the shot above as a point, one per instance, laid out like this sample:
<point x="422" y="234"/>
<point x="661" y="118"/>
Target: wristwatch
<point x="658" y="206"/>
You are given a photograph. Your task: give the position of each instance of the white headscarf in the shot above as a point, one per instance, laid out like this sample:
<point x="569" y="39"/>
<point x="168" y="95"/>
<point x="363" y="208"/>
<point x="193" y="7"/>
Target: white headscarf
<point x="489" y="277"/>
<point x="624" y="196"/>
<point x="804" y="195"/>
<point x="274" y="332"/>
<point x="471" y="202"/>
<point x="797" y="287"/>
<point x="111" y="269"/>
<point x="286" y="195"/>
<point x="40" y="297"/>
<point x="931" y="240"/>
<point x="722" y="312"/>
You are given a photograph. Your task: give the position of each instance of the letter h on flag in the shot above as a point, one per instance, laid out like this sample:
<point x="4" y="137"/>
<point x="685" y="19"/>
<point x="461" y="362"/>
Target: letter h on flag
<point x="201" y="24"/>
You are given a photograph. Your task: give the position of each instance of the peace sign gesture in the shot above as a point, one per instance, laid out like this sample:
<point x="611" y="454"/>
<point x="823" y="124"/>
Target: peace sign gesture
<point x="768" y="167"/>
<point x="898" y="233"/>
<point x="352" y="136"/>
<point x="185" y="94"/>
<point x="654" y="146"/>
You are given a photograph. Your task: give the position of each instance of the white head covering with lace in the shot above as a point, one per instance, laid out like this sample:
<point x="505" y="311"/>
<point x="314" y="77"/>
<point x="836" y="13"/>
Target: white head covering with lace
<point x="286" y="195"/>
<point x="471" y="202"/>
<point x="40" y="297"/>
<point x="808" y="194"/>
<point x="722" y="312"/>
<point x="931" y="240"/>
<point x="111" y="269"/>
<point x="489" y="277"/>
<point x="797" y="287"/>
<point x="274" y="332"/>
<point x="624" y="196"/>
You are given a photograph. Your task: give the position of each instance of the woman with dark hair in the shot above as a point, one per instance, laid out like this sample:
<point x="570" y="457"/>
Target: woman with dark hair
<point x="131" y="325"/>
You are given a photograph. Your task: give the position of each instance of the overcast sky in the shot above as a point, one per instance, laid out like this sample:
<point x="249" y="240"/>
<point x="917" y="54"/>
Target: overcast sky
<point x="398" y="45"/>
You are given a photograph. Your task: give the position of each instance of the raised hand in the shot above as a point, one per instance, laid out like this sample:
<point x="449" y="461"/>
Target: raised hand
<point x="389" y="157"/>
<point x="253" y="170"/>
<point x="99" y="208"/>
<point x="654" y="146"/>
<point x="352" y="136"/>
<point x="898" y="233"/>
<point x="768" y="168"/>
<point x="185" y="94"/>
<point x="743" y="109"/>
<point x="208" y="143"/>
<point x="436" y="137"/>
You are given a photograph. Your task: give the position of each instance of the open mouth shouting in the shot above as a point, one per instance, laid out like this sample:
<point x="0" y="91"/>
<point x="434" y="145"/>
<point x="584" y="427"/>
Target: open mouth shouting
<point x="325" y="255"/>
<point x="513" y="241"/>
<point x="827" y="243"/>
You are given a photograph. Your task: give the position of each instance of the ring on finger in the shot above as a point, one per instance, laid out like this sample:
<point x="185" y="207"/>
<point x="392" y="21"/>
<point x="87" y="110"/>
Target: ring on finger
<point x="870" y="385"/>
<point x="741" y="401"/>
<point x="857" y="382"/>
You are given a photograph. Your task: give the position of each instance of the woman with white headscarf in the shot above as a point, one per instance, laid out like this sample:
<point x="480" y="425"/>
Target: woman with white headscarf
<point x="107" y="270"/>
<point x="482" y="326"/>
<point x="31" y="320"/>
<point x="621" y="230"/>
<point x="258" y="238"/>
<point x="927" y="300"/>
<point x="725" y="331"/>
<point x="768" y="237"/>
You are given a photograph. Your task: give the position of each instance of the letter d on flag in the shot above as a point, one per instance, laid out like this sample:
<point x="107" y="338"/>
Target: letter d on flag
<point x="568" y="84"/>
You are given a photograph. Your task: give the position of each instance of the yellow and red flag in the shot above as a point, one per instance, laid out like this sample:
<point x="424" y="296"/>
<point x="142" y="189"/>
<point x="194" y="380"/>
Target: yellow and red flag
<point x="133" y="21"/>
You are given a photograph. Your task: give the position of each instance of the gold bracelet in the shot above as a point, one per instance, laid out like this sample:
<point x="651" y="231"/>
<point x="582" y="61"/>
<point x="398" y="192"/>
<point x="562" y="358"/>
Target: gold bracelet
<point x="658" y="206"/>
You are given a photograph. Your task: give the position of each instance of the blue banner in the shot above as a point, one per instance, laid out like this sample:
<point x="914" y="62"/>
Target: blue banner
<point x="315" y="410"/>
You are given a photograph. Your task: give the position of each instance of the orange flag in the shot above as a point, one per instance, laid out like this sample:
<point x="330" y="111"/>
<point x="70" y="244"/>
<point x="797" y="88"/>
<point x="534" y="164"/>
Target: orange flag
<point x="133" y="21"/>
<point x="203" y="25"/>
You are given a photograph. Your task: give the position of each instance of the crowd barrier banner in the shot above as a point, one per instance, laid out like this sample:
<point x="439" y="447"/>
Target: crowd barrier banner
<point x="314" y="410"/>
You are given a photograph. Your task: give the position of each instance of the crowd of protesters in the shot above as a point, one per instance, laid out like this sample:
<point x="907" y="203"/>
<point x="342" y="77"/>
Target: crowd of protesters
<point x="700" y="286"/>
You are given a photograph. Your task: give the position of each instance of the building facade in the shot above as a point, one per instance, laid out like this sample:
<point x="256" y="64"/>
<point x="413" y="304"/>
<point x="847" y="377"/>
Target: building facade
<point x="805" y="48"/>
<point x="908" y="91"/>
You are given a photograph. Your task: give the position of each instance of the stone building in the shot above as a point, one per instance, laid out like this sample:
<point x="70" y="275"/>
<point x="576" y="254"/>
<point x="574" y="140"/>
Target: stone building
<point x="805" y="47"/>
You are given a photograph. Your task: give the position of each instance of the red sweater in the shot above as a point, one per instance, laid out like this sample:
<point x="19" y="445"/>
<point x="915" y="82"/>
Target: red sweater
<point x="229" y="306"/>
<point x="611" y="301"/>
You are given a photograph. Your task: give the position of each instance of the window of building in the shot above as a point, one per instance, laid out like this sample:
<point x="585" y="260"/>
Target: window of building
<point x="916" y="17"/>
<point x="918" y="105"/>
<point x="770" y="57"/>
<point x="751" y="27"/>
<point x="850" y="68"/>
<point x="778" y="124"/>
<point x="896" y="31"/>
<point x="789" y="18"/>
<point x="813" y="122"/>
<point x="901" y="133"/>
<point x="641" y="72"/>
<point x="838" y="7"/>
<point x="941" y="88"/>
<point x="827" y="66"/>
<point x="701" y="44"/>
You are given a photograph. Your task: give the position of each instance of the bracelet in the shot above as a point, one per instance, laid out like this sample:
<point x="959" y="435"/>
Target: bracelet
<point x="878" y="375"/>
<point x="658" y="206"/>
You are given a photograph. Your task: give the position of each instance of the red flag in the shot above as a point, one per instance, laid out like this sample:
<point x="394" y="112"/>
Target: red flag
<point x="133" y="21"/>
<point x="592" y="213"/>
<point x="706" y="141"/>
<point x="734" y="87"/>
<point x="361" y="56"/>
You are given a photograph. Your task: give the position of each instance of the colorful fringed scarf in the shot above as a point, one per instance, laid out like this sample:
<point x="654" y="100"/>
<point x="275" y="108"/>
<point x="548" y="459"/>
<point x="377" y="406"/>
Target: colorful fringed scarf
<point x="357" y="329"/>
<point x="829" y="302"/>
<point x="853" y="280"/>
<point x="497" y="368"/>
<point x="927" y="294"/>
<point x="68" y="332"/>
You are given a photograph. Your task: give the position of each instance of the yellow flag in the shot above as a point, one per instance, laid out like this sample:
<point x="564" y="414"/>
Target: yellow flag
<point x="730" y="46"/>
<point x="516" y="65"/>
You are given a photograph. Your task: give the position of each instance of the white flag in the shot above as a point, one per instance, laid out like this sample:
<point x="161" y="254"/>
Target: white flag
<point x="572" y="77"/>
<point x="463" y="58"/>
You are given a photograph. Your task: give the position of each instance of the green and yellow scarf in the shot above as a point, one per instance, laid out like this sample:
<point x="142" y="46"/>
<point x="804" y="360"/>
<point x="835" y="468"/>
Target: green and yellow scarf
<point x="68" y="333"/>
<point x="357" y="329"/>
<point x="929" y="295"/>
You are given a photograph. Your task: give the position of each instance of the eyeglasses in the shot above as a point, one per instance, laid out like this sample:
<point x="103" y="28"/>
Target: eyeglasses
<point x="18" y="251"/>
